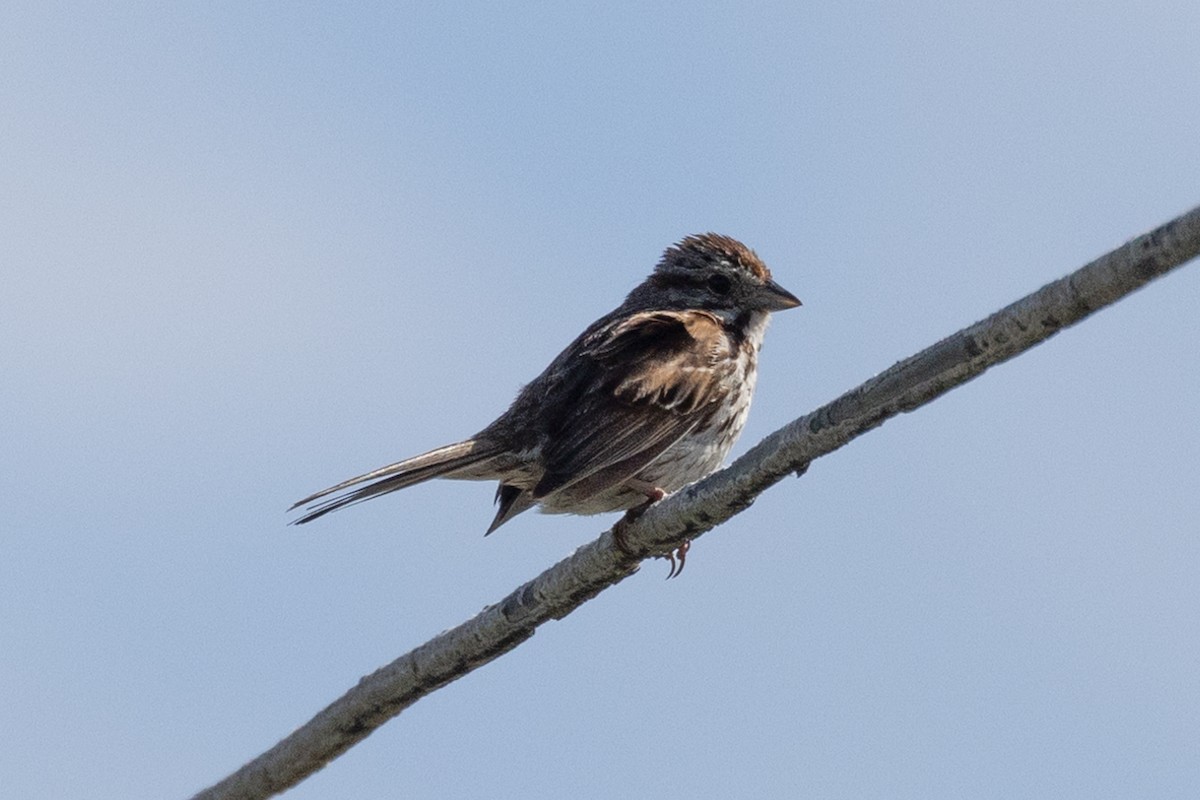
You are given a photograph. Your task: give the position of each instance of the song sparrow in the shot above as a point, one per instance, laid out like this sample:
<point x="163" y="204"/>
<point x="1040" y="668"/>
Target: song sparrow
<point x="648" y="399"/>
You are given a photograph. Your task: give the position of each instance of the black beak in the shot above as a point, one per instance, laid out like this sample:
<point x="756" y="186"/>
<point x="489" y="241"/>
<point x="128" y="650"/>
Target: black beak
<point x="777" y="298"/>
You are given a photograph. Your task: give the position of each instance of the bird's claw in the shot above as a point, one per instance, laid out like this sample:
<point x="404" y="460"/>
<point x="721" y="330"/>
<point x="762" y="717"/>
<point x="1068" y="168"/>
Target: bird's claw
<point x="679" y="553"/>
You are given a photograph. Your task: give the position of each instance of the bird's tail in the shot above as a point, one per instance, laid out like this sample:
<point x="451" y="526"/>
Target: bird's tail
<point x="442" y="462"/>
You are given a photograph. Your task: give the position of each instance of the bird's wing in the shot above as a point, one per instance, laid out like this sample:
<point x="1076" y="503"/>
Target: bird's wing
<point x="642" y="383"/>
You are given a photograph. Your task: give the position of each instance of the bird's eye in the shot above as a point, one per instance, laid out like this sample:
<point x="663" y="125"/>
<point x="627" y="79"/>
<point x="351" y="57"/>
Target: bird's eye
<point x="719" y="284"/>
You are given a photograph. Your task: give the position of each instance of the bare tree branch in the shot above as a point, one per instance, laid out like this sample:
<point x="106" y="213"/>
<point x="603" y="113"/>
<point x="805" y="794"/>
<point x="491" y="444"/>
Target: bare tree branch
<point x="689" y="513"/>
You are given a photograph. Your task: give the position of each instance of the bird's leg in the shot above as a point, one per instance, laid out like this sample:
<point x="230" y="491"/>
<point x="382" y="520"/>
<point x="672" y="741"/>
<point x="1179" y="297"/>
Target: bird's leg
<point x="678" y="557"/>
<point x="653" y="495"/>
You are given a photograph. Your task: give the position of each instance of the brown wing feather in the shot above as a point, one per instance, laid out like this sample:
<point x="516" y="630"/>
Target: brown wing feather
<point x="653" y="377"/>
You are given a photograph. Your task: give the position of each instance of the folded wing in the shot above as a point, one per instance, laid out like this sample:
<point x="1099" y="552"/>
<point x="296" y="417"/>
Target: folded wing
<point x="653" y="377"/>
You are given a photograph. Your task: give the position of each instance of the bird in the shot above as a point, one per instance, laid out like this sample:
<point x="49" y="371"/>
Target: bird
<point x="648" y="399"/>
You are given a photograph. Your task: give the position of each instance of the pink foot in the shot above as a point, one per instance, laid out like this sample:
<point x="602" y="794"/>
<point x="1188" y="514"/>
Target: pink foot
<point x="653" y="495"/>
<point x="681" y="554"/>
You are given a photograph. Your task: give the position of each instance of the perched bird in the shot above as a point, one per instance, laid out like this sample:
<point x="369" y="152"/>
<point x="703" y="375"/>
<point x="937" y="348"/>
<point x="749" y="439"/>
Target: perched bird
<point x="648" y="399"/>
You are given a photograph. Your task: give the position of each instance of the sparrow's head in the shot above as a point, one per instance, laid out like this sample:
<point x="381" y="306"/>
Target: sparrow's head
<point x="715" y="273"/>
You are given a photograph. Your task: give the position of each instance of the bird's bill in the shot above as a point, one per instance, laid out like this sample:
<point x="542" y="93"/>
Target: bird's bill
<point x="778" y="298"/>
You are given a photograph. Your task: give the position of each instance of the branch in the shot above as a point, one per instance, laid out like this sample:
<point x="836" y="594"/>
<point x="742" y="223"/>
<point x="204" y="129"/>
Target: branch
<point x="698" y="508"/>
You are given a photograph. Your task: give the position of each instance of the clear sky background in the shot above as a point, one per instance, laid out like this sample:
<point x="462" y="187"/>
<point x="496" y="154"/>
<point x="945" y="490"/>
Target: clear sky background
<point x="249" y="250"/>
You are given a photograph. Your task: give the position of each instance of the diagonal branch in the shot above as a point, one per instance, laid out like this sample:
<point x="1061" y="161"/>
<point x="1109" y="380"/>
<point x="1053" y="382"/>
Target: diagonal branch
<point x="689" y="513"/>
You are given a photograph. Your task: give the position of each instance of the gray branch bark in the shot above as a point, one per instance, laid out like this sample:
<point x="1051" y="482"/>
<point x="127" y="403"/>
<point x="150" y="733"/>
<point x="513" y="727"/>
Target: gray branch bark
<point x="691" y="512"/>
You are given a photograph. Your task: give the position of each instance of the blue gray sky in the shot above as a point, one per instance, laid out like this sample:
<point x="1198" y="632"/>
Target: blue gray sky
<point x="249" y="251"/>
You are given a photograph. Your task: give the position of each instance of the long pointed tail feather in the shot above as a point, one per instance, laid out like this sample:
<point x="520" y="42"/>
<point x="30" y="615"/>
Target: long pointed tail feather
<point x="436" y="463"/>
